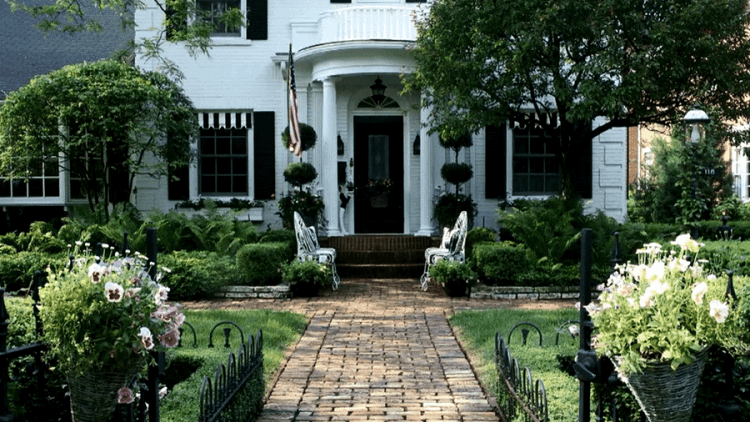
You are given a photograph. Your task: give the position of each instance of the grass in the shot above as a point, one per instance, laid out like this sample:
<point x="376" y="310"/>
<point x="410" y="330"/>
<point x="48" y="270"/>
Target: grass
<point x="476" y="331"/>
<point x="280" y="331"/>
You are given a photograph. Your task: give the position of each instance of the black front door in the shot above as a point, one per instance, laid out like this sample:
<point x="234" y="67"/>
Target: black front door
<point x="378" y="174"/>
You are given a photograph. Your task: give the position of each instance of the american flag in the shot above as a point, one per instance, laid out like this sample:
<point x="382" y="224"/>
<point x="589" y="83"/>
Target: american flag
<point x="295" y="142"/>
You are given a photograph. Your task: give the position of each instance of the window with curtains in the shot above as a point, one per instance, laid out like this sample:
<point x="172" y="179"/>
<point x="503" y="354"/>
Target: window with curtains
<point x="223" y="163"/>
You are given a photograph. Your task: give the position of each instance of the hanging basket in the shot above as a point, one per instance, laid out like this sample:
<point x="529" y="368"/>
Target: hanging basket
<point x="379" y="201"/>
<point x="93" y="395"/>
<point x="667" y="395"/>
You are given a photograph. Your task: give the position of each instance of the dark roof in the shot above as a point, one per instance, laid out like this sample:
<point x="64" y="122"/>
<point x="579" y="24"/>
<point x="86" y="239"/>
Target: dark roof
<point x="26" y="52"/>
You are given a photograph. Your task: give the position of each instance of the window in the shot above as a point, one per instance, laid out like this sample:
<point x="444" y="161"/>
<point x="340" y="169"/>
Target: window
<point x="43" y="181"/>
<point x="213" y="10"/>
<point x="535" y="168"/>
<point x="223" y="162"/>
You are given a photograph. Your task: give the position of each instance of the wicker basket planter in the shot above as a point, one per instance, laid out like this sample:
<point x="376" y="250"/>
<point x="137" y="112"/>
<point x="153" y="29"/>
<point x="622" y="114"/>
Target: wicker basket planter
<point x="379" y="201"/>
<point x="667" y="395"/>
<point x="93" y="395"/>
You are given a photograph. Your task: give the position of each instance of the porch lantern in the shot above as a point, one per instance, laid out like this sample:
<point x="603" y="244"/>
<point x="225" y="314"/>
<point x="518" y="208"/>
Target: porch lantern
<point x="378" y="91"/>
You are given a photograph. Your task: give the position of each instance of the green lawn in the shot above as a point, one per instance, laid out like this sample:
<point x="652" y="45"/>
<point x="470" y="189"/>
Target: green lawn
<point x="476" y="331"/>
<point x="280" y="331"/>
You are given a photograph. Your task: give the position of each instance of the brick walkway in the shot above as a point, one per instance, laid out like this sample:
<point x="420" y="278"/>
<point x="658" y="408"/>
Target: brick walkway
<point x="377" y="350"/>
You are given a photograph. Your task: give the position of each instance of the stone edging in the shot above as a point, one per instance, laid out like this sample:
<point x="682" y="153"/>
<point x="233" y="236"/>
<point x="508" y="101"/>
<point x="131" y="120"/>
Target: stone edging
<point x="525" y="292"/>
<point x="281" y="291"/>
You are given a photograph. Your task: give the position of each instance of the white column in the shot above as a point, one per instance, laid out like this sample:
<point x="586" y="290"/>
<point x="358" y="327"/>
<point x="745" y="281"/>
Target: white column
<point x="426" y="185"/>
<point x="329" y="170"/>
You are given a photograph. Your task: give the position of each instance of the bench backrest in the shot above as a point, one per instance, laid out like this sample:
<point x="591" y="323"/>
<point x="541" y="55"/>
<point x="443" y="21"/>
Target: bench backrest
<point x="306" y="241"/>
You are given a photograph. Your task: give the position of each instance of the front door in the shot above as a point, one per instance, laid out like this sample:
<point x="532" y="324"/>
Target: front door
<point x="378" y="174"/>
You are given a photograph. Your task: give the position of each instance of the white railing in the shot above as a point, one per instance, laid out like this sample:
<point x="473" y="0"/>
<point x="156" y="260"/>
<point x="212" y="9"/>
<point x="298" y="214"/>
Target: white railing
<point x="367" y="23"/>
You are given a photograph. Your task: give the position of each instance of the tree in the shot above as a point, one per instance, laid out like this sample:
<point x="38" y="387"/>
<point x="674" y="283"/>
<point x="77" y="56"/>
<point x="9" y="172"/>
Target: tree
<point x="685" y="183"/>
<point x="184" y="22"/>
<point x="484" y="62"/>
<point x="105" y="122"/>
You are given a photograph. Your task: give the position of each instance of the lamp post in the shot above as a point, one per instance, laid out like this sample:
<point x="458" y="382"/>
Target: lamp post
<point x="695" y="118"/>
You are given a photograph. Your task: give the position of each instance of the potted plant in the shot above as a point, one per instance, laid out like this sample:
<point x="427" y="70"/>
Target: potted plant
<point x="306" y="278"/>
<point x="448" y="205"/>
<point x="378" y="190"/>
<point x="102" y="320"/>
<point x="455" y="277"/>
<point x="656" y="321"/>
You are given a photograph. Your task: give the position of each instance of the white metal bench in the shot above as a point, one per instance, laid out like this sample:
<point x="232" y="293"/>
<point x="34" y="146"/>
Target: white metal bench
<point x="309" y="249"/>
<point x="451" y="248"/>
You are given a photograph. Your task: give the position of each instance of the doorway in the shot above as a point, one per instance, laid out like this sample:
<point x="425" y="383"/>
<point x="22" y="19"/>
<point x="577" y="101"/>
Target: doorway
<point x="378" y="174"/>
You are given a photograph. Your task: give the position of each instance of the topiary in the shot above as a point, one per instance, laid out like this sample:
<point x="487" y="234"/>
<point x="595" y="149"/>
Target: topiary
<point x="307" y="135"/>
<point x="456" y="173"/>
<point x="299" y="174"/>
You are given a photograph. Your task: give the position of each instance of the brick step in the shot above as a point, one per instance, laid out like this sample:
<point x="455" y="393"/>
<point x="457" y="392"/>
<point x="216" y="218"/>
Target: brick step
<point x="380" y="257"/>
<point x="380" y="270"/>
<point x="379" y="242"/>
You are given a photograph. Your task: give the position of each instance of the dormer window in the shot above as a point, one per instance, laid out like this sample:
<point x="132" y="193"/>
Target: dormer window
<point x="213" y="10"/>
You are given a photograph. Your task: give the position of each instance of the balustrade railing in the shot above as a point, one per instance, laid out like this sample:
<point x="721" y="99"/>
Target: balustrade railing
<point x="367" y="23"/>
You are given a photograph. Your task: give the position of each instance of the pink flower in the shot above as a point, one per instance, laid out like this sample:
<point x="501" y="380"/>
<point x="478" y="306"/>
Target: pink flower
<point x="125" y="395"/>
<point x="170" y="339"/>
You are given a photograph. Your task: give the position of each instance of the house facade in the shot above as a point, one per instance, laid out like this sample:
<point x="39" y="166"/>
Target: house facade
<point x="349" y="57"/>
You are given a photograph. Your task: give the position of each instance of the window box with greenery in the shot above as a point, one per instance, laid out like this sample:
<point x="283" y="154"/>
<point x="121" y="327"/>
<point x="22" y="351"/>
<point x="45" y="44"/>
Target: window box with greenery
<point x="245" y="209"/>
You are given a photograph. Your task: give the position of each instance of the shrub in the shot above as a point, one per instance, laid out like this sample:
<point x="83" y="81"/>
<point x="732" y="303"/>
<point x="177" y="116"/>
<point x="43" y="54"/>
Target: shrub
<point x="456" y="173"/>
<point x="476" y="235"/>
<point x="260" y="264"/>
<point x="299" y="174"/>
<point x="449" y="206"/>
<point x="501" y="262"/>
<point x="454" y="276"/>
<point x="197" y="274"/>
<point x="281" y="235"/>
<point x="307" y="277"/>
<point x="309" y="206"/>
<point x="17" y="270"/>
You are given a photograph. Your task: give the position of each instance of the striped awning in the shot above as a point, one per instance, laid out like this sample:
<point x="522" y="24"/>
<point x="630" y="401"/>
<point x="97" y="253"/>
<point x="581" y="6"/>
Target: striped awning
<point x="537" y="119"/>
<point x="225" y="120"/>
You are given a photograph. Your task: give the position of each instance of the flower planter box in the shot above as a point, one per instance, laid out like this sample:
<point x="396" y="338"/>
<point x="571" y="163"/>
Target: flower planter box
<point x="249" y="214"/>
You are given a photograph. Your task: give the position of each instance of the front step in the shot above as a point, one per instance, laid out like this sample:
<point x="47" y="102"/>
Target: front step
<point x="380" y="256"/>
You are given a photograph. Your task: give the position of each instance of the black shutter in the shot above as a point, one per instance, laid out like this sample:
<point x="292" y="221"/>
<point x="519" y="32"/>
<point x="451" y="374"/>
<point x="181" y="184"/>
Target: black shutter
<point x="495" y="158"/>
<point x="257" y="19"/>
<point x="264" y="155"/>
<point x="341" y="1"/>
<point x="584" y="164"/>
<point x="178" y="181"/>
<point x="416" y="1"/>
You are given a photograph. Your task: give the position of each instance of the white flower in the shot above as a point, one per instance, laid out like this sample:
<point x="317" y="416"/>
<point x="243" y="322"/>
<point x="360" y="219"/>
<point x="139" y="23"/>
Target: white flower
<point x="574" y="330"/>
<point x="646" y="301"/>
<point x="699" y="290"/>
<point x="146" y="338"/>
<point x="95" y="273"/>
<point x="113" y="291"/>
<point x="711" y="277"/>
<point x="685" y="242"/>
<point x="658" y="287"/>
<point x="161" y="295"/>
<point x="719" y="310"/>
<point x="655" y="272"/>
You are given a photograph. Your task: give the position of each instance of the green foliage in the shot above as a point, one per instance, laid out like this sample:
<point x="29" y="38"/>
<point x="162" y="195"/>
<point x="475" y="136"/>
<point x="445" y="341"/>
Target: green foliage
<point x="307" y="135"/>
<point x="235" y="204"/>
<point x="454" y="276"/>
<point x="112" y="115"/>
<point x="280" y="235"/>
<point x="502" y="262"/>
<point x="678" y="190"/>
<point x="299" y="174"/>
<point x="456" y="173"/>
<point x="455" y="143"/>
<point x="197" y="275"/>
<point x="261" y="264"/>
<point x="17" y="270"/>
<point x="448" y="206"/>
<point x="307" y="277"/>
<point x="474" y="236"/>
<point x="101" y="315"/>
<point x="484" y="63"/>
<point x="309" y="206"/>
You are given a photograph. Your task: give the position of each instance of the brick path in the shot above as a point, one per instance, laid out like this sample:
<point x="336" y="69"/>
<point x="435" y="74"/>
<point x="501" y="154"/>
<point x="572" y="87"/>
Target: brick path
<point x="377" y="350"/>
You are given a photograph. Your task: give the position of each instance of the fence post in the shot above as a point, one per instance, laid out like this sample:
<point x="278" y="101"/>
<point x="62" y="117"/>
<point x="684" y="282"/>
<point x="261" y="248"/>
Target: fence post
<point x="151" y="248"/>
<point x="4" y="414"/>
<point x="585" y="368"/>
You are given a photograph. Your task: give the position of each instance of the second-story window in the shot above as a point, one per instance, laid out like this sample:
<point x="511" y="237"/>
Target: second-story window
<point x="213" y="10"/>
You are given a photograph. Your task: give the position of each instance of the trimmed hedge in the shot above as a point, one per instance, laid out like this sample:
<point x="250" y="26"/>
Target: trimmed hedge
<point x="197" y="274"/>
<point x="260" y="264"/>
<point x="17" y="270"/>
<point x="500" y="263"/>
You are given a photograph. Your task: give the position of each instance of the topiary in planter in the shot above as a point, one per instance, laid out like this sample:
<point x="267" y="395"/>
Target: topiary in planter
<point x="456" y="173"/>
<point x="299" y="174"/>
<point x="306" y="132"/>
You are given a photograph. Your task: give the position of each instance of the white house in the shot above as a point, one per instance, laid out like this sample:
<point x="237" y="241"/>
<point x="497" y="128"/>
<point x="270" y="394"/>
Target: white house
<point x="342" y="50"/>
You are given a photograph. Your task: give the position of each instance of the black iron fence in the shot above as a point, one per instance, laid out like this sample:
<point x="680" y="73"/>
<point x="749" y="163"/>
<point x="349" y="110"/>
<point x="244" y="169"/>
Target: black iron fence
<point x="234" y="394"/>
<point x="518" y="393"/>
